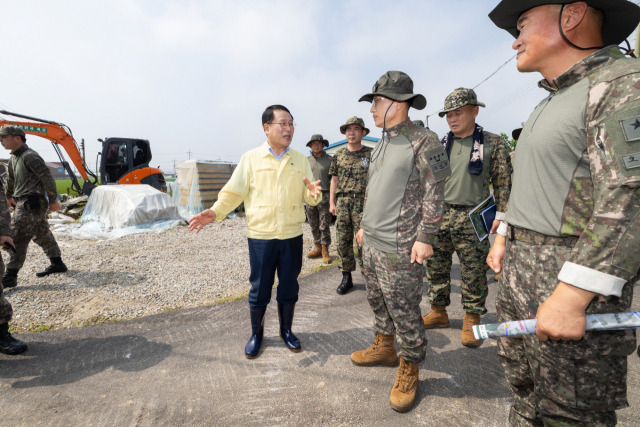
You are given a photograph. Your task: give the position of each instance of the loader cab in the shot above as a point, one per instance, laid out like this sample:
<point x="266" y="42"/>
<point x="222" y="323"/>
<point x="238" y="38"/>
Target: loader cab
<point x="123" y="155"/>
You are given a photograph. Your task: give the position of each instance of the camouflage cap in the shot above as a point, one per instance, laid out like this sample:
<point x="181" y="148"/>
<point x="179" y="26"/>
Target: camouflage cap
<point x="459" y="98"/>
<point x="318" y="137"/>
<point x="418" y="123"/>
<point x="6" y="130"/>
<point x="354" y="121"/>
<point x="621" y="17"/>
<point x="398" y="86"/>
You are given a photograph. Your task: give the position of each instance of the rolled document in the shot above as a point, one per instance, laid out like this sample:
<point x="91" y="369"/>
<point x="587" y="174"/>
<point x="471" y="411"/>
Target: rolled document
<point x="595" y="322"/>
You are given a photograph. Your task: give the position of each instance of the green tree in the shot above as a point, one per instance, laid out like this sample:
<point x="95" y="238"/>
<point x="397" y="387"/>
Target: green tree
<point x="510" y="142"/>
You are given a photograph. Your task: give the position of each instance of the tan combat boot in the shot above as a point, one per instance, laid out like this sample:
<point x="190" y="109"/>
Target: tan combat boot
<point x="404" y="389"/>
<point x="436" y="318"/>
<point x="382" y="352"/>
<point x="316" y="252"/>
<point x="326" y="258"/>
<point x="470" y="320"/>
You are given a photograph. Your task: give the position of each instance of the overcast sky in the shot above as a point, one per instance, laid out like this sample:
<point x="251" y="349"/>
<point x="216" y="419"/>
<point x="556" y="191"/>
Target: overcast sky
<point x="193" y="76"/>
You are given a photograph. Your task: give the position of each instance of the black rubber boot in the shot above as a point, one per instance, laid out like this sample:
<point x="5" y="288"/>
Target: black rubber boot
<point x="346" y="284"/>
<point x="252" y="348"/>
<point x="8" y="344"/>
<point x="57" y="266"/>
<point x="285" y="314"/>
<point x="10" y="278"/>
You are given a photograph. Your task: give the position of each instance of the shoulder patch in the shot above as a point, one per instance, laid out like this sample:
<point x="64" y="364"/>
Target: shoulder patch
<point x="631" y="128"/>
<point x="439" y="162"/>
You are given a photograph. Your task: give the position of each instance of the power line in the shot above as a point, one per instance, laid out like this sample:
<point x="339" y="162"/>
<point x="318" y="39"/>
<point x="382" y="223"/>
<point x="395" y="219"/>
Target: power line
<point x="483" y="81"/>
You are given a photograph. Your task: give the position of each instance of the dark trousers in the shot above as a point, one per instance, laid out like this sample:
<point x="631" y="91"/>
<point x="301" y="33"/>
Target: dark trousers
<point x="268" y="256"/>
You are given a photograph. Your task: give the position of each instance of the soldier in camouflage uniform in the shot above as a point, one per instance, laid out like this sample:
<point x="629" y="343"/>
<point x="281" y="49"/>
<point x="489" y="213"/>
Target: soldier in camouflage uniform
<point x="8" y="344"/>
<point x="319" y="216"/>
<point x="349" y="171"/>
<point x="572" y="241"/>
<point x="30" y="191"/>
<point x="399" y="226"/>
<point x="478" y="160"/>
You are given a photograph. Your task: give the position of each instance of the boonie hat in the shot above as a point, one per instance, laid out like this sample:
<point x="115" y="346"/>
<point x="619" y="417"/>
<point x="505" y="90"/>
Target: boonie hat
<point x="318" y="137"/>
<point x="397" y="86"/>
<point x="354" y="121"/>
<point x="6" y="130"/>
<point x="459" y="98"/>
<point x="621" y="17"/>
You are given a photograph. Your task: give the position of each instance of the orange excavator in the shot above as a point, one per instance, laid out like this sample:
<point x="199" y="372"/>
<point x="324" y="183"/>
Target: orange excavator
<point x="123" y="160"/>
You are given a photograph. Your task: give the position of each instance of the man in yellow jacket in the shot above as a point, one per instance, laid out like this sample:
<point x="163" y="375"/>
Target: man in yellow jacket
<point x="273" y="181"/>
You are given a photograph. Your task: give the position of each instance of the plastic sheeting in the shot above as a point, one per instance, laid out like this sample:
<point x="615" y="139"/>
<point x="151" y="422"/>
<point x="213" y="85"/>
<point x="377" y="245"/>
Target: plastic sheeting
<point x="185" y="190"/>
<point x="120" y="210"/>
<point x="197" y="184"/>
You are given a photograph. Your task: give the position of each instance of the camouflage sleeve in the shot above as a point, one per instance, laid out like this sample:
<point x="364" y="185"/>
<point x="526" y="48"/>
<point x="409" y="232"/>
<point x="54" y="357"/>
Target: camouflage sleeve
<point x="433" y="165"/>
<point x="10" y="180"/>
<point x="5" y="216"/>
<point x="607" y="254"/>
<point x="36" y="164"/>
<point x="501" y="172"/>
<point x="333" y="169"/>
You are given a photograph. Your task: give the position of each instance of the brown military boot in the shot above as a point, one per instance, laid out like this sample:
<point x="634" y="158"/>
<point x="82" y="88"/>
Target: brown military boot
<point x="404" y="389"/>
<point x="316" y="252"/>
<point x="470" y="320"/>
<point x="326" y="258"/>
<point x="382" y="352"/>
<point x="436" y="318"/>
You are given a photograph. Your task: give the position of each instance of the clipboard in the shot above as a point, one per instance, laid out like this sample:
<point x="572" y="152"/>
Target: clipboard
<point x="482" y="217"/>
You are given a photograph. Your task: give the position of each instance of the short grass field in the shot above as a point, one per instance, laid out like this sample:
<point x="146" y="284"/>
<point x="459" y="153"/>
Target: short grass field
<point x="64" y="186"/>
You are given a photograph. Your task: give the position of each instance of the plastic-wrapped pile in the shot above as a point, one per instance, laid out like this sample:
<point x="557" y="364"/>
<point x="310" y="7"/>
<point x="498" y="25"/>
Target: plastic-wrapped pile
<point x="120" y="210"/>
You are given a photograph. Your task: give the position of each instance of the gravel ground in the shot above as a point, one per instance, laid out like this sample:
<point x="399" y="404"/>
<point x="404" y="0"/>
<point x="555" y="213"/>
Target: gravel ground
<point x="138" y="275"/>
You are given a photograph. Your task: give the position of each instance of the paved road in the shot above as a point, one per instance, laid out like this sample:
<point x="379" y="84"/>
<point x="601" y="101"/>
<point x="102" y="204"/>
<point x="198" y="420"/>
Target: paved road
<point x="187" y="368"/>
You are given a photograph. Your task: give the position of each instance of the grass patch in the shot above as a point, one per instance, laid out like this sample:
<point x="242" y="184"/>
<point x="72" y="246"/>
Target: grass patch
<point x="230" y="298"/>
<point x="96" y="320"/>
<point x="63" y="186"/>
<point x="38" y="328"/>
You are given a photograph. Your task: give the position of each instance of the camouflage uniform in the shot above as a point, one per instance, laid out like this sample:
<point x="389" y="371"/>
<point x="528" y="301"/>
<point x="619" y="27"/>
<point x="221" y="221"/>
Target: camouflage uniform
<point x="457" y="233"/>
<point x="5" y="230"/>
<point x="319" y="216"/>
<point x="352" y="170"/>
<point x="596" y="245"/>
<point x="394" y="284"/>
<point x="29" y="183"/>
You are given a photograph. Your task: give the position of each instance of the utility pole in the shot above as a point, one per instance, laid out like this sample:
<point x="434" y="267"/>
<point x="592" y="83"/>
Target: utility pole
<point x="82" y="147"/>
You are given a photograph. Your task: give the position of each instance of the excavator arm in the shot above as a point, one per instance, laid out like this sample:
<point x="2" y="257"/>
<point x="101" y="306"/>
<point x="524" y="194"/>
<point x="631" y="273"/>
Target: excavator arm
<point x="60" y="136"/>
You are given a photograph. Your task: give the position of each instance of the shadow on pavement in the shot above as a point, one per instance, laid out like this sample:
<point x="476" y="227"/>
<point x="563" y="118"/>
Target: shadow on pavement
<point x="46" y="364"/>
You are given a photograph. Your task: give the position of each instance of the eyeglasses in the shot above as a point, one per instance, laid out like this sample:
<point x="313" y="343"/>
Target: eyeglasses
<point x="284" y="125"/>
<point x="374" y="101"/>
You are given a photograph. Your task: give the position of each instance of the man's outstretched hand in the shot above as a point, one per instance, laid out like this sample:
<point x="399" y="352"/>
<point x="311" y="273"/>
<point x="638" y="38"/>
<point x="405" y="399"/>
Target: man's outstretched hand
<point x="314" y="187"/>
<point x="197" y="222"/>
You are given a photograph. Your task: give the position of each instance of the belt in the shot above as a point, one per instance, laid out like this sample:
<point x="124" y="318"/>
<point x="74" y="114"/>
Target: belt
<point x="351" y="195"/>
<point x="461" y="207"/>
<point x="535" y="238"/>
